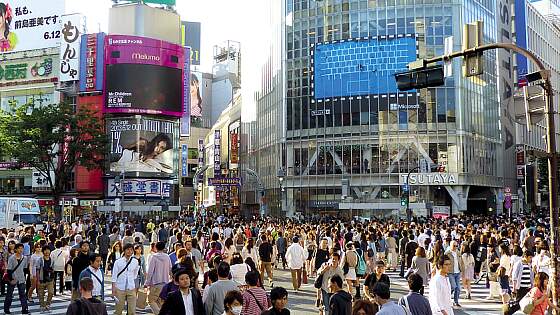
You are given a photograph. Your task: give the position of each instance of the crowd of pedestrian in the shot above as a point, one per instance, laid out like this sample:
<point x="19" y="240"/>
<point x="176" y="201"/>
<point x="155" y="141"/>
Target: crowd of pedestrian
<point x="218" y="265"/>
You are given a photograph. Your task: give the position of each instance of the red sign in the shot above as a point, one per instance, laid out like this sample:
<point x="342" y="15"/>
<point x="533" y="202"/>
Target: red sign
<point x="91" y="61"/>
<point x="234" y="148"/>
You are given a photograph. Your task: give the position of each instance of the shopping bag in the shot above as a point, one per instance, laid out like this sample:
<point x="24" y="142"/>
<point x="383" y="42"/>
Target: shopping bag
<point x="142" y="299"/>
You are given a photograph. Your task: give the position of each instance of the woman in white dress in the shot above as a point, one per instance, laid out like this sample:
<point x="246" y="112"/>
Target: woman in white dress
<point x="249" y="250"/>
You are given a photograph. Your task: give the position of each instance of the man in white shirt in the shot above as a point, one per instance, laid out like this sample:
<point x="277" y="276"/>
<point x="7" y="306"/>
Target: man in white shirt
<point x="94" y="272"/>
<point x="124" y="273"/>
<point x="440" y="289"/>
<point x="295" y="257"/>
<point x="59" y="257"/>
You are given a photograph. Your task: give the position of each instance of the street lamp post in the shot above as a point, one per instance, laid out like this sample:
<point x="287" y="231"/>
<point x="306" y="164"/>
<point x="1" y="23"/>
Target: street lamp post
<point x="281" y="176"/>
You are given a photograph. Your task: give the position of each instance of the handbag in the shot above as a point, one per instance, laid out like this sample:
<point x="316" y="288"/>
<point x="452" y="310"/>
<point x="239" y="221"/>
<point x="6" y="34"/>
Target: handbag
<point x="142" y="299"/>
<point x="8" y="274"/>
<point x="318" y="282"/>
<point x="304" y="279"/>
<point x="527" y="304"/>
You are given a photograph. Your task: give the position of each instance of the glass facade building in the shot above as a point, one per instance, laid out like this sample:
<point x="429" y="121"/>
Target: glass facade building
<point x="350" y="138"/>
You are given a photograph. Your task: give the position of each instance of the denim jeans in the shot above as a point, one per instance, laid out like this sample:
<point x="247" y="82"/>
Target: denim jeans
<point x="10" y="296"/>
<point x="455" y="282"/>
<point x="326" y="299"/>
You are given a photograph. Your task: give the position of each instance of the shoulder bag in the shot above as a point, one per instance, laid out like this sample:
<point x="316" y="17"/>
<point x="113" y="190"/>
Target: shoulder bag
<point x="527" y="304"/>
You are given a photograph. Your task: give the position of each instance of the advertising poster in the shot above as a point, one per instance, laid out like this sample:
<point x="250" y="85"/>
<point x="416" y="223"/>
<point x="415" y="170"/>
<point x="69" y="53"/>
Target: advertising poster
<point x="190" y="36"/>
<point x="196" y="90"/>
<point x="186" y="118"/>
<point x="143" y="76"/>
<point x="140" y="144"/>
<point x="184" y="160"/>
<point x="140" y="187"/>
<point x="234" y="149"/>
<point x="217" y="152"/>
<point x="32" y="70"/>
<point x="30" y="24"/>
<point x="91" y="62"/>
<point x="70" y="47"/>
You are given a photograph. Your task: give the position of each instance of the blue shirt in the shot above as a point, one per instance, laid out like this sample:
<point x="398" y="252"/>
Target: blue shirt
<point x="391" y="308"/>
<point x="173" y="257"/>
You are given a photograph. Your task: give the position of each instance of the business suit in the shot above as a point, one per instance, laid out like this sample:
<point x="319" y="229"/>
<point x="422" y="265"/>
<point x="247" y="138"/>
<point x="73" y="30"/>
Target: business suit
<point x="174" y="305"/>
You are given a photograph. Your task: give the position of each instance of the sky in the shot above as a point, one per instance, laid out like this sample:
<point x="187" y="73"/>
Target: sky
<point x="238" y="20"/>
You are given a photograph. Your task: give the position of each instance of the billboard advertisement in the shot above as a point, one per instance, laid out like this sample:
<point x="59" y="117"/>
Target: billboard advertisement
<point x="30" y="24"/>
<point x="141" y="144"/>
<point x="521" y="40"/>
<point x="91" y="62"/>
<point x="186" y="118"/>
<point x="28" y="71"/>
<point x="360" y="66"/>
<point x="143" y="76"/>
<point x="140" y="187"/>
<point x="190" y="36"/>
<point x="70" y="47"/>
<point x="196" y="90"/>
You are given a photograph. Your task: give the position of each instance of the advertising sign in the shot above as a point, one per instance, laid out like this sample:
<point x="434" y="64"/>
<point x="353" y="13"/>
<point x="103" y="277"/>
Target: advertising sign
<point x="40" y="182"/>
<point x="440" y="212"/>
<point x="197" y="90"/>
<point x="186" y="118"/>
<point x="30" y="24"/>
<point x="520" y="160"/>
<point x="163" y="2"/>
<point x="184" y="160"/>
<point x="29" y="71"/>
<point x="521" y="39"/>
<point x="234" y="148"/>
<point x="224" y="181"/>
<point x="141" y="144"/>
<point x="200" y="156"/>
<point x="140" y="187"/>
<point x="143" y="76"/>
<point x="91" y="62"/>
<point x="217" y="142"/>
<point x="190" y="36"/>
<point x="70" y="47"/>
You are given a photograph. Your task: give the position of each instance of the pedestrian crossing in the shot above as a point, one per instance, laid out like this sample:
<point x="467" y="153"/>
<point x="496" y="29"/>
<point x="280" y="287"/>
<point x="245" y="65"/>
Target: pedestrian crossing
<point x="60" y="303"/>
<point x="478" y="302"/>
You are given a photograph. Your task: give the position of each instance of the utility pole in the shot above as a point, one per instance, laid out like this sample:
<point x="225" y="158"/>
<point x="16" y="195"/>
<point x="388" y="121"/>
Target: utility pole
<point x="419" y="77"/>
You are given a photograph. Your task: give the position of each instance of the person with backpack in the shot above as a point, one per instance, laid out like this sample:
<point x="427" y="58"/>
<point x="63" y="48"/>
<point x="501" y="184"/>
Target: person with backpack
<point x="361" y="269"/>
<point x="414" y="302"/>
<point x="86" y="304"/>
<point x="95" y="272"/>
<point x="45" y="278"/>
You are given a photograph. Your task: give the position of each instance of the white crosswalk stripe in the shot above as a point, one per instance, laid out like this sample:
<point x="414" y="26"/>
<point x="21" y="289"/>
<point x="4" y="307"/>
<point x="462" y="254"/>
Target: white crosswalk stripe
<point x="60" y="303"/>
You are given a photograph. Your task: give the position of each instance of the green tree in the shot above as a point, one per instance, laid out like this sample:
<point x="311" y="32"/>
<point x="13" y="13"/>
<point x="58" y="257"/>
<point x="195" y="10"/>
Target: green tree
<point x="53" y="138"/>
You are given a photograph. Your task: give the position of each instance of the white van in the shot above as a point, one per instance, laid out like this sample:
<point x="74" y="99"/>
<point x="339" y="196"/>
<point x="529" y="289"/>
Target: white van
<point x="15" y="211"/>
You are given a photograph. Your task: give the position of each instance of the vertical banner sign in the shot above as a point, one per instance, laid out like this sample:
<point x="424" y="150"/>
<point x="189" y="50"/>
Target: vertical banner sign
<point x="521" y="39"/>
<point x="504" y="65"/>
<point x="520" y="161"/>
<point x="234" y="150"/>
<point x="186" y="118"/>
<point x="91" y="59"/>
<point x="217" y="140"/>
<point x="70" y="48"/>
<point x="200" y="157"/>
<point x="92" y="62"/>
<point x="184" y="158"/>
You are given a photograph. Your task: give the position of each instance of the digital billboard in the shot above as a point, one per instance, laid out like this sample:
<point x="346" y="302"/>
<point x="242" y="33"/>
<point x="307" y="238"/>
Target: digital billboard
<point x="30" y="24"/>
<point x="141" y="144"/>
<point x="360" y="66"/>
<point x="143" y="76"/>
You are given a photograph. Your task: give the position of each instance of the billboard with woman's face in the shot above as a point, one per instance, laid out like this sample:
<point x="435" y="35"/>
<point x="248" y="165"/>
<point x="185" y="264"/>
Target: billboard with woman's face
<point x="196" y="94"/>
<point x="141" y="144"/>
<point x="30" y="24"/>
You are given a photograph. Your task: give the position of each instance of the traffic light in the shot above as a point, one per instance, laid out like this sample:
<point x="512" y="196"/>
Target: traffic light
<point x="421" y="78"/>
<point x="472" y="38"/>
<point x="404" y="199"/>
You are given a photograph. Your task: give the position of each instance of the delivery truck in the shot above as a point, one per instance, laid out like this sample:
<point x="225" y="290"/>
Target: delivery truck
<point x="15" y="211"/>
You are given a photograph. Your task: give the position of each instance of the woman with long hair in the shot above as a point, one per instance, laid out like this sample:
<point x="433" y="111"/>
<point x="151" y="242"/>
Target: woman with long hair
<point x="540" y="295"/>
<point x="33" y="263"/>
<point x="116" y="253"/>
<point x="139" y="254"/>
<point x="421" y="266"/>
<point x="249" y="250"/>
<point x="468" y="273"/>
<point x="229" y="250"/>
<point x="311" y="247"/>
<point x="8" y="40"/>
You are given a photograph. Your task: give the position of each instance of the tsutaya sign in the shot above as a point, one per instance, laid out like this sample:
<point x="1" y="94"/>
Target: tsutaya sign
<point x="430" y="179"/>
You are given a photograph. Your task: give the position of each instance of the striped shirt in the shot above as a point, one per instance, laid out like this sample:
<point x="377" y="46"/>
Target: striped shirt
<point x="525" y="276"/>
<point x="250" y="305"/>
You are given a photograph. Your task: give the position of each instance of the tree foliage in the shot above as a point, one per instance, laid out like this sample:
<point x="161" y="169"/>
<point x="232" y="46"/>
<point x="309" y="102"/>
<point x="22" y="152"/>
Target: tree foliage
<point x="53" y="138"/>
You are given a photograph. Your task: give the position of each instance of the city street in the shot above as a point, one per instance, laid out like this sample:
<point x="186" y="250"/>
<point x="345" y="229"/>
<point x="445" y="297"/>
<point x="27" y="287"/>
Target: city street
<point x="301" y="303"/>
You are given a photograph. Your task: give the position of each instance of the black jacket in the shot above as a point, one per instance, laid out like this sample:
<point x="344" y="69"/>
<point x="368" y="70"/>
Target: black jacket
<point x="79" y="263"/>
<point x="341" y="303"/>
<point x="174" y="305"/>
